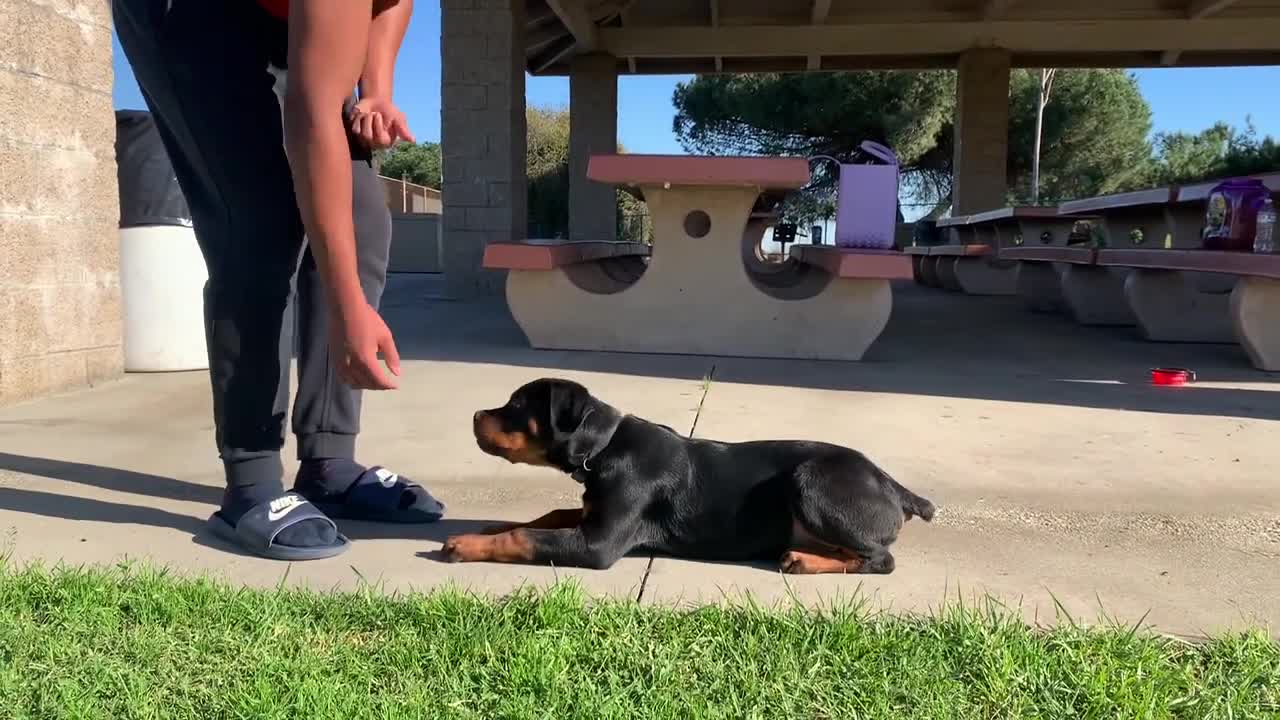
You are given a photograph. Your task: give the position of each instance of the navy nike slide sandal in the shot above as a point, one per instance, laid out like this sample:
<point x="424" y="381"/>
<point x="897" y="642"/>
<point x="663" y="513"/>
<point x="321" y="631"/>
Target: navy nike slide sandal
<point x="380" y="495"/>
<point x="257" y="530"/>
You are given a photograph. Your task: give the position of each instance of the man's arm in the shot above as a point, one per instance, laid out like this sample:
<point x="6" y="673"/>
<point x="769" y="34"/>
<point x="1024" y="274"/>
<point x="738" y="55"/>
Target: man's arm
<point x="375" y="119"/>
<point x="386" y="34"/>
<point x="328" y="40"/>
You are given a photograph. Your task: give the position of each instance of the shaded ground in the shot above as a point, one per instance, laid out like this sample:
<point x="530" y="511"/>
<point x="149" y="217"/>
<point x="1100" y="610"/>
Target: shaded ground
<point x="1059" y="473"/>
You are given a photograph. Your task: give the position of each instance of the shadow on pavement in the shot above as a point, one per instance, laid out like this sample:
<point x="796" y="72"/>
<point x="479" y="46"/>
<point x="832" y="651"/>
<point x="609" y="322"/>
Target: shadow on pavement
<point x="937" y="344"/>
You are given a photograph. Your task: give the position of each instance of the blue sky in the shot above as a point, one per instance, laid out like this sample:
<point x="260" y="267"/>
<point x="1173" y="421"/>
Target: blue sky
<point x="1183" y="99"/>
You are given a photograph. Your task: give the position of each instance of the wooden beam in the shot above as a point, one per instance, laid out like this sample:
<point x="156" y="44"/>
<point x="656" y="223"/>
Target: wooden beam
<point x="1197" y="10"/>
<point x="1074" y="37"/>
<point x="1105" y="60"/>
<point x="554" y="53"/>
<point x="996" y="9"/>
<point x="539" y="15"/>
<point x="1200" y="9"/>
<point x="575" y="17"/>
<point x="818" y="16"/>
<point x="821" y="9"/>
<point x="715" y="23"/>
<point x="537" y="38"/>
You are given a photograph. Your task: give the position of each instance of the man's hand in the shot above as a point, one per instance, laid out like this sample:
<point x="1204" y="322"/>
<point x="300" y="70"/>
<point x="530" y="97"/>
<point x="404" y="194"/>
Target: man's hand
<point x="378" y="123"/>
<point x="356" y="335"/>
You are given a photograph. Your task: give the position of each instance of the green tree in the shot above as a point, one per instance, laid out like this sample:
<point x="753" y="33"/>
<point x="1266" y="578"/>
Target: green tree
<point x="419" y="163"/>
<point x="1216" y="152"/>
<point x="1095" y="129"/>
<point x="829" y="114"/>
<point x="547" y="151"/>
<point x="548" y="170"/>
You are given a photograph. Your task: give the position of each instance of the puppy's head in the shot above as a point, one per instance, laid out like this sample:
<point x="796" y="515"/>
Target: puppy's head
<point x="546" y="422"/>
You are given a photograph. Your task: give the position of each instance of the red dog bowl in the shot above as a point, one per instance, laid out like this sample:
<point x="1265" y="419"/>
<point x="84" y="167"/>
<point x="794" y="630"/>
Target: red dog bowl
<point x="1172" y="376"/>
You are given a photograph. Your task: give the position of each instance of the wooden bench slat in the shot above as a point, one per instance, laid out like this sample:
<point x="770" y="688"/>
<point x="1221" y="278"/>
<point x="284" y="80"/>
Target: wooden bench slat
<point x="954" y="221"/>
<point x="1233" y="263"/>
<point x="775" y="173"/>
<point x="1005" y="213"/>
<point x="1074" y="255"/>
<point x="855" y="262"/>
<point x="967" y="250"/>
<point x="1013" y="213"/>
<point x="551" y="254"/>
<point x="1138" y="198"/>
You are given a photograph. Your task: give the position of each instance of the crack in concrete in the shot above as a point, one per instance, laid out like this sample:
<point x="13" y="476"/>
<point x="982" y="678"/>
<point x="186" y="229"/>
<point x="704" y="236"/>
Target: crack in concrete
<point x="706" y="390"/>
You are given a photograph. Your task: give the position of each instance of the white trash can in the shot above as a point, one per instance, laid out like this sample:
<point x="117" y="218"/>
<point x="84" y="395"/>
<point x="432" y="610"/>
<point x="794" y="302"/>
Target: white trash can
<point x="162" y="276"/>
<point x="162" y="273"/>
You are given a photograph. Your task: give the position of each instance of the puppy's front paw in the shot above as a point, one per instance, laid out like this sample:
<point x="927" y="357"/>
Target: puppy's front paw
<point x="466" y="548"/>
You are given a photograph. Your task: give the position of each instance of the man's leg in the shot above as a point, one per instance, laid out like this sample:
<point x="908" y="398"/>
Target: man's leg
<point x="326" y="412"/>
<point x="202" y="67"/>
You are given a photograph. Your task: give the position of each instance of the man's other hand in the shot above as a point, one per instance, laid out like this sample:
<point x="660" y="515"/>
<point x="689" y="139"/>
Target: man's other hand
<point x="378" y="123"/>
<point x="357" y="334"/>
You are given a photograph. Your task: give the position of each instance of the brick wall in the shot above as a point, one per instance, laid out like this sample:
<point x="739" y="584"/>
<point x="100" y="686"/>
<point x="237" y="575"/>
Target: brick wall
<point x="60" y="312"/>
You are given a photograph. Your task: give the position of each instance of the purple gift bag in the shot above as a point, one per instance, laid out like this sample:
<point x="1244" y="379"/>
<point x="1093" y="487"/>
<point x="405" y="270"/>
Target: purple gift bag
<point x="1231" y="214"/>
<point x="867" y="203"/>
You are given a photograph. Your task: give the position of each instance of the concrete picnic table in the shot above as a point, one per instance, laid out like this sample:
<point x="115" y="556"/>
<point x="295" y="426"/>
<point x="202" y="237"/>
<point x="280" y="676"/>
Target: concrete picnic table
<point x="698" y="293"/>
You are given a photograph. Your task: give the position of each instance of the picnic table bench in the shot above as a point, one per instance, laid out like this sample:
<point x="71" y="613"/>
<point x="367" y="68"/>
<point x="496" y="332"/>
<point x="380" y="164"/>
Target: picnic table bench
<point x="696" y="293"/>
<point x="971" y="260"/>
<point x="1168" y="310"/>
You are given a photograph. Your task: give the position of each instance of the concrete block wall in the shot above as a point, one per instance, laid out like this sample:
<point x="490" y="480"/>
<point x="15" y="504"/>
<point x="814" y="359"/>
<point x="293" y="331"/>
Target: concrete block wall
<point x="60" y="309"/>
<point x="482" y="134"/>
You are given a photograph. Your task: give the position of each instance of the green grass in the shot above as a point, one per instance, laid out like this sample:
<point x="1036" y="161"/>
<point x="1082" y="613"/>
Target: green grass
<point x="136" y="643"/>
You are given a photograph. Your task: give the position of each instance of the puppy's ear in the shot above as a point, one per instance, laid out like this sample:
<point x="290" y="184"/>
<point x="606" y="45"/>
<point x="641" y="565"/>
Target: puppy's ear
<point x="570" y="403"/>
<point x="579" y="423"/>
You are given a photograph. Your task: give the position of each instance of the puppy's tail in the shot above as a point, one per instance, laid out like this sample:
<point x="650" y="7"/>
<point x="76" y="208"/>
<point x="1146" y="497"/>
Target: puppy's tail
<point x="912" y="504"/>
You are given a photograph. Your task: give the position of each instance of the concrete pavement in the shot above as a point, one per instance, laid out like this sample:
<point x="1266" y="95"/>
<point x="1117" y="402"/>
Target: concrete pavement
<point x="1057" y="471"/>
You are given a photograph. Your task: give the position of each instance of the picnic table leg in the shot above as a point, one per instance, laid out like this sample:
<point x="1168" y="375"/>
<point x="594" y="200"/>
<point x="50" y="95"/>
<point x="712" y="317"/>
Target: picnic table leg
<point x="929" y="271"/>
<point x="1040" y="287"/>
<point x="1096" y="295"/>
<point x="947" y="273"/>
<point x="1170" y="308"/>
<point x="1255" y="313"/>
<point x="985" y="276"/>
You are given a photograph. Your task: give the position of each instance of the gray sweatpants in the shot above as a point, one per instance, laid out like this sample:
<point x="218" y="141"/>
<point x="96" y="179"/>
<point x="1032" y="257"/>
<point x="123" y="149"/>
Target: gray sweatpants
<point x="205" y="71"/>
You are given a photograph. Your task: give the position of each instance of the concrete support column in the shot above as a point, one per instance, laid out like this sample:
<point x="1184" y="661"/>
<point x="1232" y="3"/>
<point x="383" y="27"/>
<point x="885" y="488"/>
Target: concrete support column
<point x="593" y="129"/>
<point x="61" y="317"/>
<point x="981" y="131"/>
<point x="482" y="137"/>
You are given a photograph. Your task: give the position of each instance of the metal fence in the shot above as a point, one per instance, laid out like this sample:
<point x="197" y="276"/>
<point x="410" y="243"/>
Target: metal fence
<point x="411" y="198"/>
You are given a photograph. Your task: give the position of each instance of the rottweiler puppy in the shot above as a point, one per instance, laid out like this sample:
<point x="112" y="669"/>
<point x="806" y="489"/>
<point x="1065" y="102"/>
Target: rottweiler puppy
<point x="821" y="508"/>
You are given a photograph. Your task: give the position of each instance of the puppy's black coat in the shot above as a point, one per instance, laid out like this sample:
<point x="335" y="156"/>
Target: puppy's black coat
<point x="821" y="507"/>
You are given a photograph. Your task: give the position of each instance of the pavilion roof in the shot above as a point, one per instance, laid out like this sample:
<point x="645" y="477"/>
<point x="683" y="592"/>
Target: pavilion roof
<point x="704" y="36"/>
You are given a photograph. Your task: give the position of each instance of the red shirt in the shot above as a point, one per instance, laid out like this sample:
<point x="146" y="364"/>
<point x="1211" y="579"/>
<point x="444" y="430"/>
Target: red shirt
<point x="278" y="8"/>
